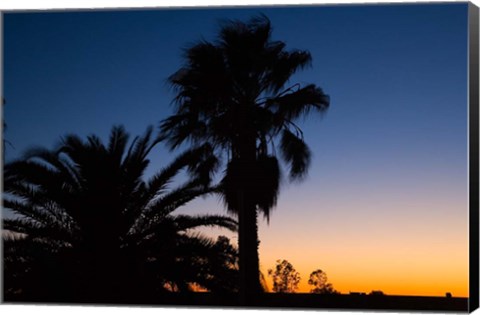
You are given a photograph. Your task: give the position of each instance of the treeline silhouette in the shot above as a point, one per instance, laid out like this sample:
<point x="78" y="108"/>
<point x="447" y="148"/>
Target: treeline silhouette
<point x="90" y="228"/>
<point x="286" y="279"/>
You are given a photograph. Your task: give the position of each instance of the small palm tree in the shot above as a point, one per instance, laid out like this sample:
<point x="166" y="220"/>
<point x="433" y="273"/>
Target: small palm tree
<point x="233" y="95"/>
<point x="89" y="226"/>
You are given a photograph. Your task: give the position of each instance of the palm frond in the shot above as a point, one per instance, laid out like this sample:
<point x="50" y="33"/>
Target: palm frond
<point x="267" y="184"/>
<point x="55" y="160"/>
<point x="262" y="180"/>
<point x="177" y="129"/>
<point x="294" y="104"/>
<point x="282" y="66"/>
<point x="296" y="153"/>
<point x="185" y="222"/>
<point x="117" y="143"/>
<point x="176" y="198"/>
<point x="52" y="232"/>
<point x="30" y="211"/>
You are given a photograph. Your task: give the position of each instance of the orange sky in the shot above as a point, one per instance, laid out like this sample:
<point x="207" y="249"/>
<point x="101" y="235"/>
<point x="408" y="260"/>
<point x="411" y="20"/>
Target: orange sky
<point x="402" y="256"/>
<point x="382" y="247"/>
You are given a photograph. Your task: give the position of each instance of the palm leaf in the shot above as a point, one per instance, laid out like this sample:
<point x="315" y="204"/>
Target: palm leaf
<point x="298" y="103"/>
<point x="296" y="153"/>
<point x="185" y="222"/>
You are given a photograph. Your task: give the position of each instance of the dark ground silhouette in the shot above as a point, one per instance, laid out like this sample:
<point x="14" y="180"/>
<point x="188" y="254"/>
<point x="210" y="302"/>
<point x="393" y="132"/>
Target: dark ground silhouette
<point x="290" y="301"/>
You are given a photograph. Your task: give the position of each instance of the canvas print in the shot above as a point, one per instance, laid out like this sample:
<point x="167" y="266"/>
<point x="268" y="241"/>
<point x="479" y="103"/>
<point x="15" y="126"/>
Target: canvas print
<point x="267" y="156"/>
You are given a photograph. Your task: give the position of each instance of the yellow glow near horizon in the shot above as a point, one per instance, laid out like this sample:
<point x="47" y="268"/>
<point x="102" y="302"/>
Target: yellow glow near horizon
<point x="413" y="243"/>
<point x="424" y="257"/>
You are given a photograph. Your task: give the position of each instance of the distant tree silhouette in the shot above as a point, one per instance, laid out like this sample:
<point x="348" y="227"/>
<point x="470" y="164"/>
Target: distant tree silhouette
<point x="233" y="94"/>
<point x="318" y="279"/>
<point x="285" y="277"/>
<point x="89" y="227"/>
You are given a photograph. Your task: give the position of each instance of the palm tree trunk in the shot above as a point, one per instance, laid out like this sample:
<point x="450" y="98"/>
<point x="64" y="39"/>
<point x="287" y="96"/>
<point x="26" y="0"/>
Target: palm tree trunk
<point x="248" y="232"/>
<point x="248" y="251"/>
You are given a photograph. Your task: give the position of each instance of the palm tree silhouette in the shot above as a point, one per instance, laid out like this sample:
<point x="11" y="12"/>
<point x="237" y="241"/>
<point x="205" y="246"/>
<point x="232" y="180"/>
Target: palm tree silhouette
<point x="233" y="95"/>
<point x="89" y="228"/>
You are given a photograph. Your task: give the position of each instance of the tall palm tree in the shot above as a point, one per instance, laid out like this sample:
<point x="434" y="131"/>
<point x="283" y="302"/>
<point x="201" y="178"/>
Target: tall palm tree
<point x="89" y="226"/>
<point x="233" y="94"/>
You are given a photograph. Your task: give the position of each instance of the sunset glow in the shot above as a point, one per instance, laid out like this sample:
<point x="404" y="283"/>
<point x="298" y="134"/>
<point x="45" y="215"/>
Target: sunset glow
<point x="385" y="203"/>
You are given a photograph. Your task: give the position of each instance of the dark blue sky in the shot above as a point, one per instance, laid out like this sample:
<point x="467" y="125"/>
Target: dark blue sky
<point x="393" y="142"/>
<point x="388" y="68"/>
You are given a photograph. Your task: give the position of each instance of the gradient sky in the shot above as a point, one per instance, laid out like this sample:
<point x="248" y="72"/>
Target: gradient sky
<point x="385" y="205"/>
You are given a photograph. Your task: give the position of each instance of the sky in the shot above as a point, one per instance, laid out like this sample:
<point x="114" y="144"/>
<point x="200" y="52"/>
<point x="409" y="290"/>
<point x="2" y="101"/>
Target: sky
<point x="385" y="205"/>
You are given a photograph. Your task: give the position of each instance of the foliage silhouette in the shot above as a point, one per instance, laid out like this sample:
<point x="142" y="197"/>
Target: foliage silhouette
<point x="318" y="279"/>
<point x="89" y="228"/>
<point x="233" y="94"/>
<point x="285" y="277"/>
<point x="223" y="266"/>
